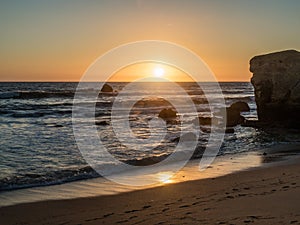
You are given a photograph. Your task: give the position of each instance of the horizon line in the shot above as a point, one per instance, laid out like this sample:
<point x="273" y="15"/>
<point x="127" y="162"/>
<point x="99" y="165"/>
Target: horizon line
<point x="62" y="81"/>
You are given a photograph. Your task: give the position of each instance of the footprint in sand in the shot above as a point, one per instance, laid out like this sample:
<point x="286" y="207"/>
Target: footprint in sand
<point x="196" y="203"/>
<point x="132" y="217"/>
<point x="131" y="211"/>
<point x="123" y="221"/>
<point x="184" y="206"/>
<point x="107" y="215"/>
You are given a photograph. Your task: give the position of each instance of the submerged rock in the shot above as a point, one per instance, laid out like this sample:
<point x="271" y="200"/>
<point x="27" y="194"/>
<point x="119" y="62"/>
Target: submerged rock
<point x="168" y="114"/>
<point x="102" y="123"/>
<point x="240" y="106"/>
<point x="200" y="101"/>
<point x="206" y="121"/>
<point x="276" y="80"/>
<point x="229" y="130"/>
<point x="152" y="102"/>
<point x="187" y="137"/>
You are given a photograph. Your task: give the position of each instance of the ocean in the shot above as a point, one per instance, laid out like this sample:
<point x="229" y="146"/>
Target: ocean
<point x="38" y="148"/>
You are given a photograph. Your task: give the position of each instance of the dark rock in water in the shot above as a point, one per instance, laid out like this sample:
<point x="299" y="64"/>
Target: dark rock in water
<point x="254" y="123"/>
<point x="229" y="130"/>
<point x="206" y="121"/>
<point x="200" y="101"/>
<point x="175" y="139"/>
<point x="188" y="137"/>
<point x="107" y="88"/>
<point x="58" y="125"/>
<point x="152" y="102"/>
<point x="168" y="114"/>
<point x="102" y="123"/>
<point x="147" y="161"/>
<point x="205" y="130"/>
<point x="276" y="79"/>
<point x="185" y="137"/>
<point x="234" y="113"/>
<point x="240" y="106"/>
<point x="234" y="117"/>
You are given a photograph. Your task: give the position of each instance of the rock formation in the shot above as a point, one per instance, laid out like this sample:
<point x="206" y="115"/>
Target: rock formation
<point x="107" y="88"/>
<point x="102" y="123"/>
<point x="168" y="114"/>
<point x="276" y="79"/>
<point x="233" y="118"/>
<point x="233" y="113"/>
<point x="206" y="121"/>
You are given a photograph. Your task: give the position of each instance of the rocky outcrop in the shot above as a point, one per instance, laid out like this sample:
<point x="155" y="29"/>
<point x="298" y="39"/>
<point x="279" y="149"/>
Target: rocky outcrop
<point x="233" y="113"/>
<point x="276" y="80"/>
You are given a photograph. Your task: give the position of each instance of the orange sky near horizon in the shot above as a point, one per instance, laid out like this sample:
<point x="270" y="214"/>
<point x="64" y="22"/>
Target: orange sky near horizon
<point x="59" y="40"/>
<point x="151" y="71"/>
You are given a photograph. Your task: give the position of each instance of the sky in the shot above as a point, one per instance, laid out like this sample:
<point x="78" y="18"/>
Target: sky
<point x="57" y="40"/>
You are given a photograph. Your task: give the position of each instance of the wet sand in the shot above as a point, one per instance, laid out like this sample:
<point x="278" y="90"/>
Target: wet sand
<point x="266" y="195"/>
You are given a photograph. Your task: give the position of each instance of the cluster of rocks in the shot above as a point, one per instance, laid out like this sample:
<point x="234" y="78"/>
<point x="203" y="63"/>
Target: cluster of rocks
<point x="276" y="82"/>
<point x="233" y="117"/>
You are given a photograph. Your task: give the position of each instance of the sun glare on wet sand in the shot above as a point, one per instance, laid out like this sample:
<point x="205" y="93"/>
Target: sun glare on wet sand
<point x="165" y="178"/>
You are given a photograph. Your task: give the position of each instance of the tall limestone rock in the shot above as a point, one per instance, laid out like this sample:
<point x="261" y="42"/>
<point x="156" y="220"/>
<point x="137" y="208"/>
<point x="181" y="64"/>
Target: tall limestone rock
<point x="276" y="79"/>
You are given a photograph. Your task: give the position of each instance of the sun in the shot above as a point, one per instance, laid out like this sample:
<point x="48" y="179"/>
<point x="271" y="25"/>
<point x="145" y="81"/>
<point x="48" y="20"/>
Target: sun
<point x="155" y="72"/>
<point x="158" y="72"/>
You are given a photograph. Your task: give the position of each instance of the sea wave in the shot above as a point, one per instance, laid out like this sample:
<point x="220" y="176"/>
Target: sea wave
<point x="29" y="180"/>
<point x="54" y="177"/>
<point x="36" y="123"/>
<point x="36" y="94"/>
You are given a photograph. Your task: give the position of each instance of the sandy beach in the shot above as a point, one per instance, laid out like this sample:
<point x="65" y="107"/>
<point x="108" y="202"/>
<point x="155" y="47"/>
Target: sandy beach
<point x="267" y="195"/>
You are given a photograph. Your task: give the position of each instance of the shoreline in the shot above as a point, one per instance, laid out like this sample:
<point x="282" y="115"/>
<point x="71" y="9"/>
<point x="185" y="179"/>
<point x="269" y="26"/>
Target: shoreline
<point x="266" y="195"/>
<point x="223" y="165"/>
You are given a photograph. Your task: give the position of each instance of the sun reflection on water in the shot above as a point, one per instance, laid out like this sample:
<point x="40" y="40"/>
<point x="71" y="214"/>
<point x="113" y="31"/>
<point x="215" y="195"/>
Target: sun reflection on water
<point x="165" y="177"/>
